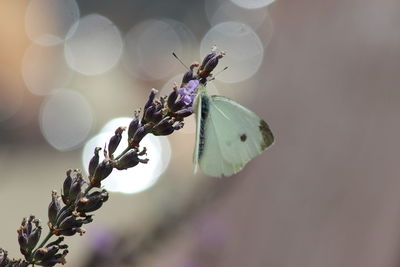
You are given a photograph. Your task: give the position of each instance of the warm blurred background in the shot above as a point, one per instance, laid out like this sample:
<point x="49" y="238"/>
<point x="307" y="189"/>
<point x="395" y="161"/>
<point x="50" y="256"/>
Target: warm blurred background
<point x="324" y="74"/>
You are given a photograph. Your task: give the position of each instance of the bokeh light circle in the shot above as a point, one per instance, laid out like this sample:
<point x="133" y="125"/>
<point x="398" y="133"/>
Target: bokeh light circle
<point x="47" y="22"/>
<point x="245" y="51"/>
<point x="149" y="46"/>
<point x="252" y="4"/>
<point x="44" y="69"/>
<point x="95" y="46"/>
<point x="140" y="177"/>
<point x="65" y="119"/>
<point x="218" y="11"/>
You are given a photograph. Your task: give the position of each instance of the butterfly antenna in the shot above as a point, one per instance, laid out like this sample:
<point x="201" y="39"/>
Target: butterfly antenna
<point x="219" y="72"/>
<point x="173" y="53"/>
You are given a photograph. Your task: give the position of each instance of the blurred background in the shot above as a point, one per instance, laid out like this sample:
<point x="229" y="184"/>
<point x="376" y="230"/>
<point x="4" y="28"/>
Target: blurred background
<point x="324" y="74"/>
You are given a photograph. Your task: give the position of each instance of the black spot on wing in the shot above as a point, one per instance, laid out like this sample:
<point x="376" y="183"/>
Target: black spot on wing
<point x="205" y="108"/>
<point x="267" y="136"/>
<point x="243" y="137"/>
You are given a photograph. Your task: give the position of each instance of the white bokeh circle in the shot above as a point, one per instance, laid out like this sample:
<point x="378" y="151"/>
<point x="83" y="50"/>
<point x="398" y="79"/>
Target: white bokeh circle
<point x="47" y="22"/>
<point x="95" y="46"/>
<point x="44" y="69"/>
<point x="149" y="46"/>
<point x="253" y="4"/>
<point x="245" y="51"/>
<point x="65" y="119"/>
<point x="218" y="11"/>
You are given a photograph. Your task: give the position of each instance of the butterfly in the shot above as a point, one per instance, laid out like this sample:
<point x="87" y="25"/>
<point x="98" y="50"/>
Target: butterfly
<point x="228" y="135"/>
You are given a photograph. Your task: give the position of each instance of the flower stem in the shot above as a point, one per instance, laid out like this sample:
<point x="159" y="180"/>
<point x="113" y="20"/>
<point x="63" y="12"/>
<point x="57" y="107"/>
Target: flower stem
<point x="123" y="152"/>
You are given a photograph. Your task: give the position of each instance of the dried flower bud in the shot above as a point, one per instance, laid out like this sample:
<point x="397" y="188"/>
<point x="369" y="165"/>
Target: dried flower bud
<point x="212" y="63"/>
<point x="50" y="256"/>
<point x="56" y="259"/>
<point x="172" y="98"/>
<point x="152" y="95"/>
<point x="134" y="125"/>
<point x="180" y="103"/>
<point x="115" y="140"/>
<point x="64" y="212"/>
<point x="54" y="208"/>
<point x="208" y="57"/>
<point x="140" y="133"/>
<point x="66" y="187"/>
<point x="94" y="161"/>
<point x="102" y="171"/>
<point x="129" y="160"/>
<point x="148" y="114"/>
<point x="28" y="235"/>
<point x="92" y="202"/>
<point x="183" y="113"/>
<point x="76" y="186"/>
<point x="164" y="127"/>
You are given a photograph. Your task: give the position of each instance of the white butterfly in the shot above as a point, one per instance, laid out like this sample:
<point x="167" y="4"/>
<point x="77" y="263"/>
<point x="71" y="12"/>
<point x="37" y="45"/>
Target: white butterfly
<point x="228" y="135"/>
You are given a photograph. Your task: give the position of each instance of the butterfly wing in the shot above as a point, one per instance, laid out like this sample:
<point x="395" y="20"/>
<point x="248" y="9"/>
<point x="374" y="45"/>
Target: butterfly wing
<point x="229" y="136"/>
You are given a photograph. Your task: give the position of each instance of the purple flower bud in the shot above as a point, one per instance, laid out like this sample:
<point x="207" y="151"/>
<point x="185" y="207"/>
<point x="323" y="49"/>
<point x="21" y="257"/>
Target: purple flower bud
<point x="94" y="161"/>
<point x="76" y="187"/>
<point x="28" y="235"/>
<point x="115" y="140"/>
<point x="184" y="112"/>
<point x="212" y="63"/>
<point x="34" y="238"/>
<point x="172" y="98"/>
<point x="207" y="58"/>
<point x="22" y="240"/>
<point x="40" y="254"/>
<point x="102" y="172"/>
<point x="152" y="95"/>
<point x="92" y="202"/>
<point x="148" y="113"/>
<point x="54" y="208"/>
<point x="66" y="187"/>
<point x="64" y="213"/>
<point x="134" y="125"/>
<point x="140" y="133"/>
<point x="129" y="160"/>
<point x="56" y="259"/>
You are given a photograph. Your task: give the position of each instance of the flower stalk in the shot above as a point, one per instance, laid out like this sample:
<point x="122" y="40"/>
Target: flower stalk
<point x="81" y="196"/>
